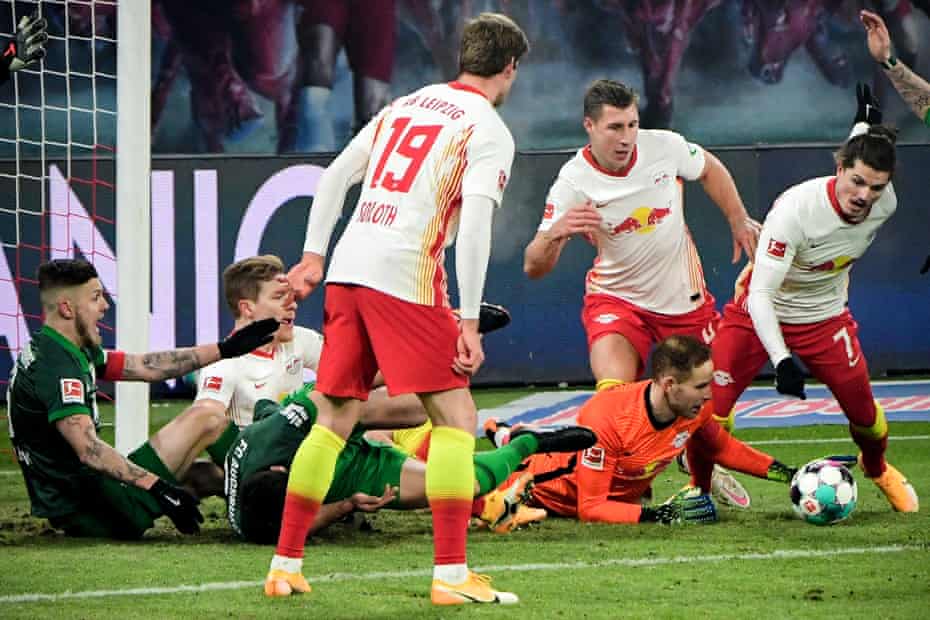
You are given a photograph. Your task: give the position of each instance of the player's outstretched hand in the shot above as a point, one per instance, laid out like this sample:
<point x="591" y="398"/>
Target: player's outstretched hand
<point x="470" y="355"/>
<point x="248" y="338"/>
<point x="877" y="37"/>
<point x="689" y="505"/>
<point x="306" y="275"/>
<point x="867" y="110"/>
<point x="370" y="503"/>
<point x="29" y="44"/>
<point x="745" y="238"/>
<point x="583" y="219"/>
<point x="788" y="379"/>
<point x="178" y="505"/>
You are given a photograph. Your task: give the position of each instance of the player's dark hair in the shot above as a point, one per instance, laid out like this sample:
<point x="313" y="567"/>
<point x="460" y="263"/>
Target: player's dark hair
<point x="678" y="356"/>
<point x="489" y="43"/>
<point x="607" y="92"/>
<point x="62" y="273"/>
<point x="261" y="506"/>
<point x="875" y="148"/>
<point x="243" y="279"/>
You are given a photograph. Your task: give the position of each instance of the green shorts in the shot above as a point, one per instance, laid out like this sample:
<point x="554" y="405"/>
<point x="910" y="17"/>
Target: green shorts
<point x="113" y="509"/>
<point x="366" y="467"/>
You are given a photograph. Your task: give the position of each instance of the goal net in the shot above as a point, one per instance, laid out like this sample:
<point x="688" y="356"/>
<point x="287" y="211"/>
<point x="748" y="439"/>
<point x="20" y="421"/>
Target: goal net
<point x="74" y="176"/>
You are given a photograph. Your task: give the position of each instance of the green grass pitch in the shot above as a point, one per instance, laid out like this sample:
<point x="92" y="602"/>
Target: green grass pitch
<point x="761" y="563"/>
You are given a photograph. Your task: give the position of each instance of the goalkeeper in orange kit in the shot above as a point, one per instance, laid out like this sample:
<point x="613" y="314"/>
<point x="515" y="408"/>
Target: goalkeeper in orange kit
<point x="641" y="428"/>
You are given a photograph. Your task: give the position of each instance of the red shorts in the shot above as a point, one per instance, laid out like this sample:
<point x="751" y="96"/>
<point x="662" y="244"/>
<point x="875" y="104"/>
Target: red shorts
<point x="606" y="314"/>
<point x="829" y="348"/>
<point x="366" y="29"/>
<point x="365" y="330"/>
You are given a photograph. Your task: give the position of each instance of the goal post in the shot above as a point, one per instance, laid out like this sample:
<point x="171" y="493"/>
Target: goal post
<point x="133" y="210"/>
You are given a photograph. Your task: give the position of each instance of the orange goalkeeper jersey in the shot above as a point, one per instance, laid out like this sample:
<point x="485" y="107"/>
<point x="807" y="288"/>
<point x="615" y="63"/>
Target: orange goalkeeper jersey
<point x="630" y="452"/>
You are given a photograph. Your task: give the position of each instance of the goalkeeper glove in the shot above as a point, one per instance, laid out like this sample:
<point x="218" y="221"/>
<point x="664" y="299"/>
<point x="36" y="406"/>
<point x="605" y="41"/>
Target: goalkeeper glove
<point x="779" y="472"/>
<point x="248" y="338"/>
<point x="687" y="506"/>
<point x="788" y="379"/>
<point x="867" y="110"/>
<point x="178" y="505"/>
<point x="28" y="44"/>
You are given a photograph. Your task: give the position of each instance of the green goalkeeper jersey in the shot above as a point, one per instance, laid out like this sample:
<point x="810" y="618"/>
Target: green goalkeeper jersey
<point x="52" y="379"/>
<point x="276" y="432"/>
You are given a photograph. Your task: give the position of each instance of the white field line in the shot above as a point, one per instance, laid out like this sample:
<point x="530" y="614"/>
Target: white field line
<point x="780" y="554"/>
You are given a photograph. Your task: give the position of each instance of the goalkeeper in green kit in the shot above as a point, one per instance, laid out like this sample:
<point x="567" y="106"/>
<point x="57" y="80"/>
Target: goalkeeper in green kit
<point x="74" y="479"/>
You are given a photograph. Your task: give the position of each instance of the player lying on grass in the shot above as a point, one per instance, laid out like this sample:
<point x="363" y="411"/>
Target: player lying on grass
<point x="369" y="475"/>
<point x="793" y="300"/>
<point x="75" y="480"/>
<point x="641" y="428"/>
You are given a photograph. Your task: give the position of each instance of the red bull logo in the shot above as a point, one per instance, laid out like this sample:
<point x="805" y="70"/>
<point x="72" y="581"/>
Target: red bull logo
<point x="642" y="220"/>
<point x="835" y="265"/>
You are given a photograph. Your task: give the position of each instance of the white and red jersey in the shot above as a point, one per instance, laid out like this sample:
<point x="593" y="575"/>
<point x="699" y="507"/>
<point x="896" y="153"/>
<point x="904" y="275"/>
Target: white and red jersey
<point x="645" y="254"/>
<point x="807" y="247"/>
<point x="428" y="150"/>
<point x="240" y="382"/>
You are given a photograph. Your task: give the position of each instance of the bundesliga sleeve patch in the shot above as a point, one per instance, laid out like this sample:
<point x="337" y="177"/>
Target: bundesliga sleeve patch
<point x="501" y="181"/>
<point x="214" y="384"/>
<point x="549" y="211"/>
<point x="593" y="458"/>
<point x="776" y="248"/>
<point x="72" y="391"/>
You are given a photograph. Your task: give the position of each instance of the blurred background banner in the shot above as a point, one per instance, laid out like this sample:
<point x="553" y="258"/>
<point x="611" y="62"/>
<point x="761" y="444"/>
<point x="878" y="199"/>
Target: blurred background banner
<point x="208" y="212"/>
<point x="280" y="76"/>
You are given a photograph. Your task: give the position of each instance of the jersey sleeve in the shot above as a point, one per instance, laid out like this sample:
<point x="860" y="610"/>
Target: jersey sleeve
<point x="596" y="467"/>
<point x="490" y="153"/>
<point x="562" y="196"/>
<point x="218" y="381"/>
<point x="62" y="390"/>
<point x="311" y="346"/>
<point x="688" y="157"/>
<point x="780" y="239"/>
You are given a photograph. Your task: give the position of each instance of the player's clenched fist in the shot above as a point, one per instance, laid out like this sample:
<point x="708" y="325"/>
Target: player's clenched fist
<point x="306" y="275"/>
<point x="583" y="219"/>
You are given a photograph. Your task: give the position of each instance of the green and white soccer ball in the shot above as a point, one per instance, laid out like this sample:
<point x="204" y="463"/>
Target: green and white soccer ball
<point x="823" y="492"/>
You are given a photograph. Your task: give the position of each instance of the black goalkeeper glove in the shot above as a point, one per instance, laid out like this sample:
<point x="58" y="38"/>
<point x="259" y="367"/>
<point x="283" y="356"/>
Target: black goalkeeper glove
<point x="687" y="506"/>
<point x="178" y="505"/>
<point x="779" y="472"/>
<point x="788" y="379"/>
<point x="28" y="46"/>
<point x="248" y="338"/>
<point x="867" y="110"/>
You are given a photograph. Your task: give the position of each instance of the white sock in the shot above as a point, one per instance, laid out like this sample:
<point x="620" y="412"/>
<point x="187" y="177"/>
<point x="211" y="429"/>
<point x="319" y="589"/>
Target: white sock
<point x="451" y="573"/>
<point x="288" y="565"/>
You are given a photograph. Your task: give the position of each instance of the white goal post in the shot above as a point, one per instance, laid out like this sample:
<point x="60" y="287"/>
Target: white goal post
<point x="133" y="210"/>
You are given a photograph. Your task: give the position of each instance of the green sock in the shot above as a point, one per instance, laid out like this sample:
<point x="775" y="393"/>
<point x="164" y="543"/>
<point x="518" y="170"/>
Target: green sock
<point x="218" y="449"/>
<point x="493" y="467"/>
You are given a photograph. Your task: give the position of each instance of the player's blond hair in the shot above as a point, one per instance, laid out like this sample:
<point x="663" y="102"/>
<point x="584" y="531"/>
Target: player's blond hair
<point x="678" y="356"/>
<point x="243" y="279"/>
<point x="489" y="43"/>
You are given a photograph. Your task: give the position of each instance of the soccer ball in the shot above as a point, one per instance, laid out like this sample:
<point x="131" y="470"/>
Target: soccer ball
<point x="823" y="492"/>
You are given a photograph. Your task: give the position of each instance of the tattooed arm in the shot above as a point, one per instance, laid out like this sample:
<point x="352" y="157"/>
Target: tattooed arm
<point x="912" y="88"/>
<point x="166" y="364"/>
<point x="78" y="430"/>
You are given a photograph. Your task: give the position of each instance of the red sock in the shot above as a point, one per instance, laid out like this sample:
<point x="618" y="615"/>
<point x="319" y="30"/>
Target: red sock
<point x="299" y="515"/>
<point x="450" y="522"/>
<point x="477" y="506"/>
<point x="873" y="453"/>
